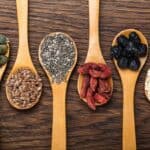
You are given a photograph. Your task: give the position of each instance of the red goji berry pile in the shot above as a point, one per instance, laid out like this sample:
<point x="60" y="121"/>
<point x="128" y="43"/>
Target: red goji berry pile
<point x="95" y="86"/>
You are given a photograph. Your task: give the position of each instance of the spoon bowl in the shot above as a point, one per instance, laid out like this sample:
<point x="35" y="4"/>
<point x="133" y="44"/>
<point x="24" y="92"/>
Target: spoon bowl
<point x="23" y="57"/>
<point x="75" y="60"/>
<point x="59" y="100"/>
<point x="142" y="60"/>
<point x="128" y="79"/>
<point x="94" y="52"/>
<point x="14" y="70"/>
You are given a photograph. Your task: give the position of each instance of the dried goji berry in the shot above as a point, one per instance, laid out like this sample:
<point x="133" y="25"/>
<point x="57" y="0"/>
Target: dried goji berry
<point x="93" y="84"/>
<point x="107" y="95"/>
<point x="91" y="103"/>
<point x="102" y="66"/>
<point x="85" y="85"/>
<point x="89" y="92"/>
<point x="95" y="66"/>
<point x="90" y="99"/>
<point x="83" y="70"/>
<point x="95" y="73"/>
<point x="100" y="99"/>
<point x="104" y="86"/>
<point x="106" y="73"/>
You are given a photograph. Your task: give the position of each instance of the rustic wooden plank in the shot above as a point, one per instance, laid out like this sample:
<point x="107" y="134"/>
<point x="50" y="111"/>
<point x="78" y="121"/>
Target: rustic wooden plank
<point x="86" y="130"/>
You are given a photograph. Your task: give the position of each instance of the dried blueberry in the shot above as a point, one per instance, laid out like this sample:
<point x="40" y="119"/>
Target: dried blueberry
<point x="122" y="40"/>
<point x="131" y="50"/>
<point x="134" y="64"/>
<point x="123" y="53"/>
<point x="133" y="36"/>
<point x="115" y="52"/>
<point x="129" y="47"/>
<point x="142" y="50"/>
<point x="123" y="62"/>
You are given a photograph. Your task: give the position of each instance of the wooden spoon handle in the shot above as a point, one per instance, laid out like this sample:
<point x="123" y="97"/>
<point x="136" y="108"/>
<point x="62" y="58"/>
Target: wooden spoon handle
<point x="94" y="52"/>
<point x="94" y="21"/>
<point x="22" y="13"/>
<point x="59" y="117"/>
<point x="129" y="137"/>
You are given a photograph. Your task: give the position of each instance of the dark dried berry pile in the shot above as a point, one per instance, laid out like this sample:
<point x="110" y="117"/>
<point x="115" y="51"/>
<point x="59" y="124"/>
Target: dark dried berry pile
<point x="95" y="86"/>
<point x="128" y="51"/>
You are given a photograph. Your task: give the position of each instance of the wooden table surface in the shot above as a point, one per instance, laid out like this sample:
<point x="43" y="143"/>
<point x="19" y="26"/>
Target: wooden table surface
<point x="100" y="130"/>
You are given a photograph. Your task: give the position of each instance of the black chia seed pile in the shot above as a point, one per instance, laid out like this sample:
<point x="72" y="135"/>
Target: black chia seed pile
<point x="58" y="55"/>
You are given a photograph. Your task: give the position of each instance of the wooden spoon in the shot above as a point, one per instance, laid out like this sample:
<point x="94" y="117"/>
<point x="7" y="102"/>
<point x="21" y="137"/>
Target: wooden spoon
<point x="59" y="102"/>
<point x="129" y="79"/>
<point x="23" y="57"/>
<point x="94" y="51"/>
<point x="3" y="68"/>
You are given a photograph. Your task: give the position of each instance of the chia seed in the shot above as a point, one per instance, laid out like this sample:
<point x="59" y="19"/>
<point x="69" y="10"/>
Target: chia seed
<point x="58" y="55"/>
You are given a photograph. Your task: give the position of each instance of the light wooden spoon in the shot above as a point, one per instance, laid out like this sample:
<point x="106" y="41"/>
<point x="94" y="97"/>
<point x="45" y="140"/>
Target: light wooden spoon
<point x="23" y="57"/>
<point x="59" y="102"/>
<point x="94" y="51"/>
<point x="3" y="68"/>
<point x="129" y="79"/>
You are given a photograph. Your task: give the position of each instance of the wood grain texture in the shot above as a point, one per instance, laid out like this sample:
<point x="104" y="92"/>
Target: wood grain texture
<point x="22" y="130"/>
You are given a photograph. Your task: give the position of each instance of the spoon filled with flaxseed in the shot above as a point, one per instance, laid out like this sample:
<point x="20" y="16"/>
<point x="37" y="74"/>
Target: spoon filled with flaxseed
<point x="23" y="86"/>
<point x="58" y="57"/>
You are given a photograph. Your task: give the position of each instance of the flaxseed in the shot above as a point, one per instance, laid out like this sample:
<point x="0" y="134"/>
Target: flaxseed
<point x="24" y="88"/>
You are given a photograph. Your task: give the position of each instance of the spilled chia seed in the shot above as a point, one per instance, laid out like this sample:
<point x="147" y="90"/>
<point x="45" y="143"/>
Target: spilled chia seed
<point x="58" y="56"/>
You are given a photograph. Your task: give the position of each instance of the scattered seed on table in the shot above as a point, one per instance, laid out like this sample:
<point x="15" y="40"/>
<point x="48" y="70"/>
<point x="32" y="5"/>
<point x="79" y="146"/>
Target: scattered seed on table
<point x="58" y="56"/>
<point x="24" y="88"/>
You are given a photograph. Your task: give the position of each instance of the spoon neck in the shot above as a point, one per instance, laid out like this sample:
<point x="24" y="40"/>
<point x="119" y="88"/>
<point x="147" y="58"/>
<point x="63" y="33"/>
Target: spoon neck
<point x="94" y="22"/>
<point x="129" y="83"/>
<point x="94" y="51"/>
<point x="22" y="15"/>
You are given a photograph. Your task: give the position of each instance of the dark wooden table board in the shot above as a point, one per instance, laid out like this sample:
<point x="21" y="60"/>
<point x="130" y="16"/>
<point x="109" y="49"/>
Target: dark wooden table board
<point x="102" y="130"/>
